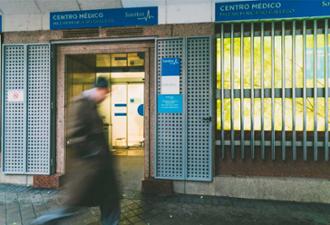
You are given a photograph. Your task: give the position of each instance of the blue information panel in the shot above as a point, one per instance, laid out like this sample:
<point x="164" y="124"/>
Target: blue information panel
<point x="0" y="23"/>
<point x="104" y="18"/>
<point x="271" y="9"/>
<point x="171" y="66"/>
<point x="170" y="103"/>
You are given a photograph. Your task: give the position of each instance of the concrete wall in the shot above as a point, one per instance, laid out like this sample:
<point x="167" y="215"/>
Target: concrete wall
<point x="16" y="179"/>
<point x="285" y="189"/>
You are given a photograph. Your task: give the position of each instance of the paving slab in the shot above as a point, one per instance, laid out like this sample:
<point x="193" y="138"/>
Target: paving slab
<point x="19" y="205"/>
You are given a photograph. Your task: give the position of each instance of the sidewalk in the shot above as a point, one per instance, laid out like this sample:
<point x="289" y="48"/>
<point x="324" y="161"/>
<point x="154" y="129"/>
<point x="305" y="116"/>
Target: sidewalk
<point x="19" y="205"/>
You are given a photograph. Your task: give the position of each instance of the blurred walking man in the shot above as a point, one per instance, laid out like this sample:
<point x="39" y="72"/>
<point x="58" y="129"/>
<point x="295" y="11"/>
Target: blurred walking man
<point x="91" y="179"/>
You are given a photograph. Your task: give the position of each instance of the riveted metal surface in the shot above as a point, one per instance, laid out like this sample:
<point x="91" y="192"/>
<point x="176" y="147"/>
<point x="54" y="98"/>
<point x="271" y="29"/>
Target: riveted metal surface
<point x="170" y="153"/>
<point x="14" y="109"/>
<point x="198" y="108"/>
<point x="38" y="145"/>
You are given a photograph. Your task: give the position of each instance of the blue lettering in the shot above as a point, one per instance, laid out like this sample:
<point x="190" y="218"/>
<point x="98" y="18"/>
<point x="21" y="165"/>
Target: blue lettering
<point x="325" y="3"/>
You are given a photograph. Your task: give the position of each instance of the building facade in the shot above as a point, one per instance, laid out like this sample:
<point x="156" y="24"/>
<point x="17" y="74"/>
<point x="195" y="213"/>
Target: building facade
<point x="223" y="98"/>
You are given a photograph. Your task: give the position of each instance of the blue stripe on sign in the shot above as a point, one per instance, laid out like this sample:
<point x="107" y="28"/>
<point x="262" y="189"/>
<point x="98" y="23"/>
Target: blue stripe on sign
<point x="120" y="105"/>
<point x="120" y="114"/>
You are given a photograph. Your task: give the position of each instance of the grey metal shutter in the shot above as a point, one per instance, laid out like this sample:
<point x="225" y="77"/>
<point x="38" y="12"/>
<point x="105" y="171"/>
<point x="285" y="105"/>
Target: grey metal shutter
<point x="184" y="141"/>
<point x="199" y="108"/>
<point x="26" y="111"/>
<point x="170" y="150"/>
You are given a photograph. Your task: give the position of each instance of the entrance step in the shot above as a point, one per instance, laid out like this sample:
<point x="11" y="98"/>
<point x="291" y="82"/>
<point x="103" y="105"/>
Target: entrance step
<point x="158" y="187"/>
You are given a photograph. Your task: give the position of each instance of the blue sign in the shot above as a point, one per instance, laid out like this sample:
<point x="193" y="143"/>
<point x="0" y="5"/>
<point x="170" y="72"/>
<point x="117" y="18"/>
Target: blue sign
<point x="171" y="66"/>
<point x="0" y="23"/>
<point x="104" y="18"/>
<point x="170" y="103"/>
<point x="271" y="9"/>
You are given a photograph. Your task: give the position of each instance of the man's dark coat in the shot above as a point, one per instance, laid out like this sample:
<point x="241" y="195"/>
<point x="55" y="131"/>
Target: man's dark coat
<point x="91" y="178"/>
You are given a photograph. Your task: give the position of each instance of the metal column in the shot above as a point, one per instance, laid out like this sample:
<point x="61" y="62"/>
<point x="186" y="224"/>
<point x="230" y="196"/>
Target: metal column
<point x="242" y="91"/>
<point x="283" y="91"/>
<point x="294" y="135"/>
<point x="326" y="83"/>
<point x="262" y="62"/>
<point x="315" y="146"/>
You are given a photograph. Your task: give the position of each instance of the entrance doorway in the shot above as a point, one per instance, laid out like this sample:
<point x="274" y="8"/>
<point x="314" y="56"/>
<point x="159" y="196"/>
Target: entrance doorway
<point x="127" y="67"/>
<point x="123" y="110"/>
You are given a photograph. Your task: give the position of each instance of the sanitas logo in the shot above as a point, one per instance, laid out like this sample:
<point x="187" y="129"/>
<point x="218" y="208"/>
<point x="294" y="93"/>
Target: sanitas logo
<point x="146" y="17"/>
<point x="176" y="61"/>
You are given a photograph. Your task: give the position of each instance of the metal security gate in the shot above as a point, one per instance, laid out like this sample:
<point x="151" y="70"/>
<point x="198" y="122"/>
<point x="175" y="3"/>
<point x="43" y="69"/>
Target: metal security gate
<point x="26" y="109"/>
<point x="184" y="139"/>
<point x="273" y="89"/>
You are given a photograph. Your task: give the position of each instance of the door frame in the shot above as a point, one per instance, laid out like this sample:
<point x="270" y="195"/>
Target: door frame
<point x="112" y="46"/>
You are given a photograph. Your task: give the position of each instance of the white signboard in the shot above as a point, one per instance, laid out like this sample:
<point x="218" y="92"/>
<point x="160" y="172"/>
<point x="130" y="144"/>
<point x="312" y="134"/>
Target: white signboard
<point x="15" y="95"/>
<point x="170" y="85"/>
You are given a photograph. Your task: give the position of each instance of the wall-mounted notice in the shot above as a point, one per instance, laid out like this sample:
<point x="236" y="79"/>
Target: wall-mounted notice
<point x="122" y="17"/>
<point x="170" y="76"/>
<point x="270" y="9"/>
<point x="16" y="95"/>
<point x="170" y="85"/>
<point x="171" y="66"/>
<point x="169" y="103"/>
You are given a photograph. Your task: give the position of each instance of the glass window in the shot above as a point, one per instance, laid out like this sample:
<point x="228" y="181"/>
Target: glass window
<point x="267" y="62"/>
<point x="288" y="61"/>
<point x="257" y="63"/>
<point x="278" y="67"/>
<point x="218" y="64"/>
<point x="237" y="63"/>
<point x="226" y="79"/>
<point x="299" y="61"/>
<point x="292" y="60"/>
<point x="119" y="60"/>
<point x="136" y="59"/>
<point x="247" y="62"/>
<point x="103" y="60"/>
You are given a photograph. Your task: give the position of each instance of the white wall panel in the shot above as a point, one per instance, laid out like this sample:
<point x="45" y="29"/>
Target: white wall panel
<point x="189" y="13"/>
<point x="22" y="22"/>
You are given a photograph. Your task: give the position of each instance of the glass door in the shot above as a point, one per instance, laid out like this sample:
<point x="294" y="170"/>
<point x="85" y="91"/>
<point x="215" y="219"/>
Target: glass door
<point x="127" y="115"/>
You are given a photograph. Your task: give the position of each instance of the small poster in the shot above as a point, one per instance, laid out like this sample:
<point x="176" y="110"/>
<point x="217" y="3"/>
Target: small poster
<point x="15" y="95"/>
<point x="170" y="85"/>
<point x="170" y="103"/>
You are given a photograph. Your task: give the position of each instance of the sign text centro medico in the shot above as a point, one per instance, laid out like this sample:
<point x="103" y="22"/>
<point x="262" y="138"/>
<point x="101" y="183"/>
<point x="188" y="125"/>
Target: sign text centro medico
<point x="104" y="18"/>
<point x="271" y="9"/>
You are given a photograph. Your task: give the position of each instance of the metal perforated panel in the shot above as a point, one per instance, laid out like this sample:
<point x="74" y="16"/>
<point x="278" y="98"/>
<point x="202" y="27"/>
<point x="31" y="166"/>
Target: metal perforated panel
<point x="14" y="109"/>
<point x="184" y="140"/>
<point x="199" y="105"/>
<point x="38" y="145"/>
<point x="26" y="112"/>
<point x="170" y="152"/>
